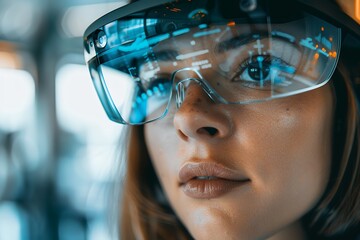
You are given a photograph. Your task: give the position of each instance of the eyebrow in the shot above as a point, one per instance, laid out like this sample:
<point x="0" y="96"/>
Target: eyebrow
<point x="244" y="39"/>
<point x="223" y="46"/>
<point x="233" y="43"/>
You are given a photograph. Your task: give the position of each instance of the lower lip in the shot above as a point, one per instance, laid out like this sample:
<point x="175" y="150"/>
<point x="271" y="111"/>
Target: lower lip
<point x="206" y="189"/>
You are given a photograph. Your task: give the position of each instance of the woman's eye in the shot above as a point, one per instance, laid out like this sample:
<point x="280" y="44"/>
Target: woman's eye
<point x="257" y="70"/>
<point x="261" y="72"/>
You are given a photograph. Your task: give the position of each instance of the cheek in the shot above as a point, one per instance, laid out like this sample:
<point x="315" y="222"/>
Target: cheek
<point x="292" y="169"/>
<point x="301" y="144"/>
<point x="162" y="145"/>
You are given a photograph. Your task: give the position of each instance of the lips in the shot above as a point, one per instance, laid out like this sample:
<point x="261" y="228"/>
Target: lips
<point x="209" y="180"/>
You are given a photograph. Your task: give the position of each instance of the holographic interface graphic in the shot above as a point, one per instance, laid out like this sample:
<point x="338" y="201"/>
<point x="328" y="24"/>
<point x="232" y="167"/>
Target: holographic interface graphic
<point x="235" y="61"/>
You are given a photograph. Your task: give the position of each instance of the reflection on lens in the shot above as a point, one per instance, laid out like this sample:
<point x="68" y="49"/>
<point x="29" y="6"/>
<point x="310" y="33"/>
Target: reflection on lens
<point x="240" y="60"/>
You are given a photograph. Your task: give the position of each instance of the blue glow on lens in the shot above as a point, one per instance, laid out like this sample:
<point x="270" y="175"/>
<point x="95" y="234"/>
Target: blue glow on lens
<point x="180" y="32"/>
<point x="161" y="87"/>
<point x="308" y="43"/>
<point x="139" y="43"/>
<point x="137" y="115"/>
<point x="157" y="39"/>
<point x="283" y="68"/>
<point x="149" y="93"/>
<point x="201" y="34"/>
<point x="260" y="58"/>
<point x="142" y="43"/>
<point x="202" y="26"/>
<point x="289" y="37"/>
<point x="144" y="96"/>
<point x="323" y="53"/>
<point x="324" y="41"/>
<point x="156" y="90"/>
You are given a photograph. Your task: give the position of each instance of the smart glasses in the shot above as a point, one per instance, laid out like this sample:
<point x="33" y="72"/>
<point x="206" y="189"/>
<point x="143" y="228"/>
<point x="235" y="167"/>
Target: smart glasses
<point x="144" y="60"/>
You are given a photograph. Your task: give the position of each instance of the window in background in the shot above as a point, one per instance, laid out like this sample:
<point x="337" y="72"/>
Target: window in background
<point x="17" y="95"/>
<point x="18" y="145"/>
<point x="72" y="26"/>
<point x="87" y="155"/>
<point x="13" y="222"/>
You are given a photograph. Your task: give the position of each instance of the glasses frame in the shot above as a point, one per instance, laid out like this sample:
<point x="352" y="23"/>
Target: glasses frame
<point x="326" y="10"/>
<point x="329" y="12"/>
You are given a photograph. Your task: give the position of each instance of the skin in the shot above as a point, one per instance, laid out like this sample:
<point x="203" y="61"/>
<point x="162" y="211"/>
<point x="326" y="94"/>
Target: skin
<point x="283" y="146"/>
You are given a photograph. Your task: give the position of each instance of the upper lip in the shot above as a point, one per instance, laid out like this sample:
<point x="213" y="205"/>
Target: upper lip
<point x="194" y="170"/>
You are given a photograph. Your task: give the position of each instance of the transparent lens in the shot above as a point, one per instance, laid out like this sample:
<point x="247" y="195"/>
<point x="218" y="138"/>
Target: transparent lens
<point x="236" y="61"/>
<point x="137" y="100"/>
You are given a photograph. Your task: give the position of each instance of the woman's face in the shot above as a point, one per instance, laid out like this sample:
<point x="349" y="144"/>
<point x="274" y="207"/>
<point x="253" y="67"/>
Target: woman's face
<point x="248" y="171"/>
<point x="243" y="171"/>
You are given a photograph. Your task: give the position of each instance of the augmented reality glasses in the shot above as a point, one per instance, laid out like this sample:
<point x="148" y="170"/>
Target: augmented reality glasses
<point x="144" y="57"/>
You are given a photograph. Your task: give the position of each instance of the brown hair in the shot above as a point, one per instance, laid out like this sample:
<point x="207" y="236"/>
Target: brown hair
<point x="145" y="213"/>
<point x="339" y="210"/>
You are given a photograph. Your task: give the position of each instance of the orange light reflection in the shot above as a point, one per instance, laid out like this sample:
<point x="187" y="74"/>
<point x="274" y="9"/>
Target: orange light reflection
<point x="357" y="10"/>
<point x="316" y="56"/>
<point x="333" y="54"/>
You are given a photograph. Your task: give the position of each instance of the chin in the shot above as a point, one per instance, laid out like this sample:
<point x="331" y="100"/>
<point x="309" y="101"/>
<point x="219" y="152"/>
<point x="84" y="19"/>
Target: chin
<point x="221" y="233"/>
<point x="204" y="224"/>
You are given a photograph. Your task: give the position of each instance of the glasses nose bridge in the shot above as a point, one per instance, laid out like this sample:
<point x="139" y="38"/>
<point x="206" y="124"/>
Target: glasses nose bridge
<point x="183" y="84"/>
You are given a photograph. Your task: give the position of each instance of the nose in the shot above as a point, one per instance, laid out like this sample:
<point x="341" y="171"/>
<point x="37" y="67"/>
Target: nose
<point x="199" y="117"/>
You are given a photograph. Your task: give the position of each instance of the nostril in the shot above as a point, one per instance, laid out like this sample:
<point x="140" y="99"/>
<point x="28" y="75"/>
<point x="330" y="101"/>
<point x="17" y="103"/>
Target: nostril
<point x="182" y="135"/>
<point x="208" y="130"/>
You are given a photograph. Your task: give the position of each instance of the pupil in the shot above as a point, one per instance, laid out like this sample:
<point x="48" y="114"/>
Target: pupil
<point x="258" y="71"/>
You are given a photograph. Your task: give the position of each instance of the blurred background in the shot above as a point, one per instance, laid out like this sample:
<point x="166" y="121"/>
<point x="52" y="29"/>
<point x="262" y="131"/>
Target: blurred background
<point x="57" y="147"/>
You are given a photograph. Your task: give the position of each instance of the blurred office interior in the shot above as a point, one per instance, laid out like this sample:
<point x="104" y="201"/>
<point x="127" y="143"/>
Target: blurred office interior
<point x="56" y="145"/>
